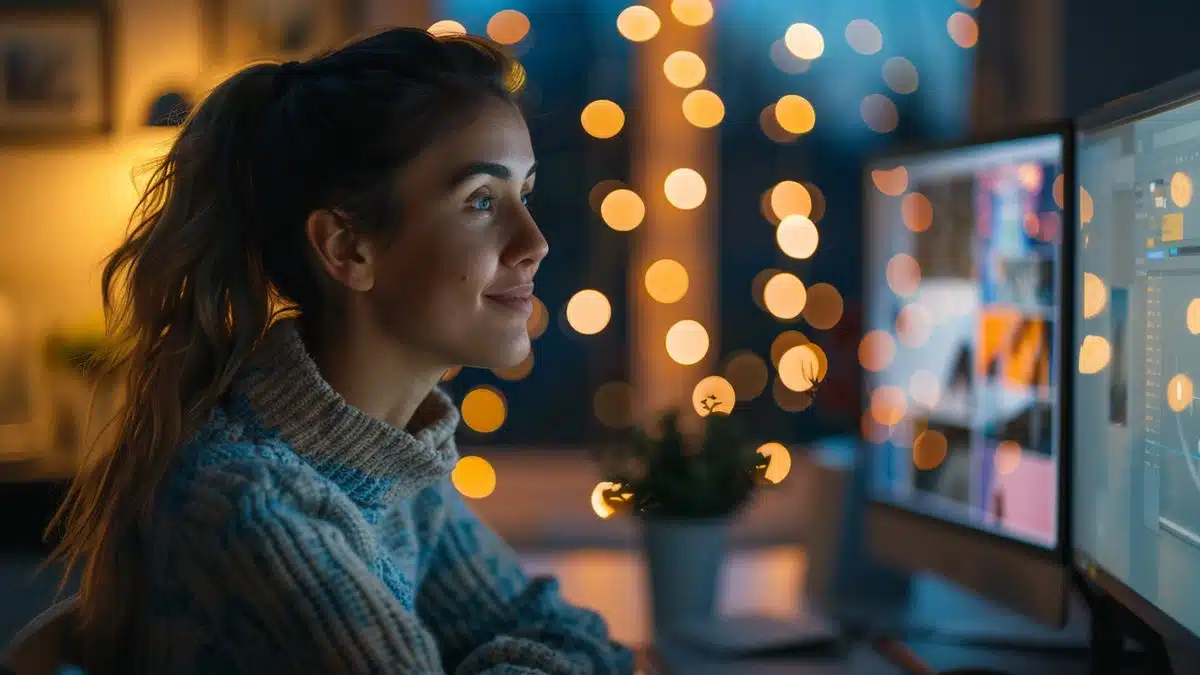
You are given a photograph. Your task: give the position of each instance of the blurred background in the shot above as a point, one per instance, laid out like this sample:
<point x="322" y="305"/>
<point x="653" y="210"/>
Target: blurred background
<point x="701" y="170"/>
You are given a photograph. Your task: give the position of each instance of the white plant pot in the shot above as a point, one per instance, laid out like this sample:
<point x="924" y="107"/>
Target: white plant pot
<point x="684" y="559"/>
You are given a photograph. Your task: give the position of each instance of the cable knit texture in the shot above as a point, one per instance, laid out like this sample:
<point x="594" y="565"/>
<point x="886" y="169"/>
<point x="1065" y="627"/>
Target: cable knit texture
<point x="296" y="534"/>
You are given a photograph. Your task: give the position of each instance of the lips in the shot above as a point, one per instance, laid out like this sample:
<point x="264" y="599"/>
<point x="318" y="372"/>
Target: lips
<point x="517" y="298"/>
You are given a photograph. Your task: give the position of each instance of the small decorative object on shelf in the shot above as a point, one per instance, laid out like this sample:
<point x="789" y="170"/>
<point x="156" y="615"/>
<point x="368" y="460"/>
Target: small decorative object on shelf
<point x="685" y="489"/>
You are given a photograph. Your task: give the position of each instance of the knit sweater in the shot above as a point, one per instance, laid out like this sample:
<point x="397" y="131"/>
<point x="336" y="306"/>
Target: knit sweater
<point x="297" y="534"/>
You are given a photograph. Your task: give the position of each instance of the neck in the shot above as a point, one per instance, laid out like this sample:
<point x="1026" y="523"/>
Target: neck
<point x="384" y="381"/>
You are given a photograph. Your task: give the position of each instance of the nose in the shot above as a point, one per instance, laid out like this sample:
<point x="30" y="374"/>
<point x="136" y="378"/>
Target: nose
<point x="528" y="245"/>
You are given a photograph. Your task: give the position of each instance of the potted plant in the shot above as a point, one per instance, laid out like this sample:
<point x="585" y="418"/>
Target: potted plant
<point x="684" y="489"/>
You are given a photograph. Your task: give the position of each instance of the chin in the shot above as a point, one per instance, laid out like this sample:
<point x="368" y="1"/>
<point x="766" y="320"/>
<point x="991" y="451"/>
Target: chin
<point x="505" y="353"/>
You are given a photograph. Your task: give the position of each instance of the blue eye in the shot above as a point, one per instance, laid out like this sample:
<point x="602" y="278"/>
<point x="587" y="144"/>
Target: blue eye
<point x="482" y="204"/>
<point x="525" y="200"/>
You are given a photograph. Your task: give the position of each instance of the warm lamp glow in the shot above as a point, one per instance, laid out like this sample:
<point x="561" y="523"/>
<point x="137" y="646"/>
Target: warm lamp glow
<point x="780" y="463"/>
<point x="474" y="477"/>
<point x="666" y="281"/>
<point x="785" y="295"/>
<point x="484" y="410"/>
<point x="703" y="108"/>
<point x="800" y="368"/>
<point x="805" y="41"/>
<point x="687" y="342"/>
<point x="824" y="307"/>
<point x="599" y="506"/>
<point x="684" y="69"/>
<point x="588" y="311"/>
<point x="508" y="26"/>
<point x="622" y="210"/>
<point x="692" y="12"/>
<point x="797" y="237"/>
<point x="602" y="118"/>
<point x="748" y="374"/>
<point x="963" y="29"/>
<point x="638" y="23"/>
<point x="447" y="27"/>
<point x="790" y="198"/>
<point x="714" y="393"/>
<point x="795" y="114"/>
<point x="685" y="189"/>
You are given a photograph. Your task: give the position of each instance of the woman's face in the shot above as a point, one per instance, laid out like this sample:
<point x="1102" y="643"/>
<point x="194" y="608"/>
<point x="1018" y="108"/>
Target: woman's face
<point x="454" y="281"/>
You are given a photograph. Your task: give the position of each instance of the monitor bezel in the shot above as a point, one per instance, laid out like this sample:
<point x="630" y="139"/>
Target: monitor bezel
<point x="1165" y="97"/>
<point x="1052" y="612"/>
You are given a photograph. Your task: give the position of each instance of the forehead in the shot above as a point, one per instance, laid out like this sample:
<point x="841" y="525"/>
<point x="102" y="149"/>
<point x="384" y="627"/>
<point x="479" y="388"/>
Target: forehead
<point x="496" y="133"/>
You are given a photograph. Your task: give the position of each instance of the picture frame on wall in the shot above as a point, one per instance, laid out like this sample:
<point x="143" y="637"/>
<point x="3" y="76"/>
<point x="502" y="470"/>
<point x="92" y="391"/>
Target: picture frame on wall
<point x="55" y="72"/>
<point x="242" y="31"/>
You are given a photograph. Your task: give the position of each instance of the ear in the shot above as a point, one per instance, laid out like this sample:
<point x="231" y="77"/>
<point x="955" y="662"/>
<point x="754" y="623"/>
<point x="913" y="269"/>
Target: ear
<point x="347" y="256"/>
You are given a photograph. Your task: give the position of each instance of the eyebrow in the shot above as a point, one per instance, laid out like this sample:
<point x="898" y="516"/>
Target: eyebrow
<point x="485" y="168"/>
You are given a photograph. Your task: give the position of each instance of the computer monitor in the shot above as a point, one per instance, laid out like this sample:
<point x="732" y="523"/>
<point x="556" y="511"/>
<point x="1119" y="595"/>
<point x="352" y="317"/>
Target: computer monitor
<point x="1136" y="423"/>
<point x="962" y="357"/>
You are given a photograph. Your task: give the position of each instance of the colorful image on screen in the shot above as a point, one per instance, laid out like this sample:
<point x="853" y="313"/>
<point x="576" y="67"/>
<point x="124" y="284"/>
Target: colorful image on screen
<point x="961" y="327"/>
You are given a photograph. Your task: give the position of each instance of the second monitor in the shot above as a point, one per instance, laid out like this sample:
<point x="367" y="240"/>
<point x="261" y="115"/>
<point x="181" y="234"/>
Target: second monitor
<point x="963" y="360"/>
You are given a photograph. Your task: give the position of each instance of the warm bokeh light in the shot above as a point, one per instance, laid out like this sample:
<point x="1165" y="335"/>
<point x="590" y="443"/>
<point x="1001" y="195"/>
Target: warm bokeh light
<point x="1193" y="316"/>
<point x="900" y="75"/>
<point x="687" y="342"/>
<point x="692" y="12"/>
<point x="1181" y="189"/>
<point x="916" y="211"/>
<point x="786" y="61"/>
<point x="684" y="69"/>
<point x="864" y="37"/>
<point x="785" y="295"/>
<point x="666" y="281"/>
<point x="602" y="119"/>
<point x="713" y="392"/>
<point x="789" y="198"/>
<point x="599" y="506"/>
<point x="879" y="113"/>
<point x="876" y="350"/>
<point x="824" y="307"/>
<point x="800" y="368"/>
<point x="929" y="450"/>
<point x="539" y="319"/>
<point x="888" y="405"/>
<point x="1094" y="354"/>
<point x="508" y="26"/>
<point x="805" y="41"/>
<point x="1056" y="190"/>
<point x="785" y="341"/>
<point x="963" y="29"/>
<point x="759" y="283"/>
<point x="769" y="123"/>
<point x="1180" y="393"/>
<point x="588" y="311"/>
<point x="1007" y="458"/>
<point x="795" y="114"/>
<point x="638" y="23"/>
<point x="903" y="274"/>
<point x="925" y="388"/>
<point x="517" y="372"/>
<point x="685" y="189"/>
<point x="1095" y="298"/>
<point x="780" y="464"/>
<point x="1087" y="207"/>
<point x="447" y="27"/>
<point x="474" y="477"/>
<point x="703" y="108"/>
<point x="797" y="237"/>
<point x="891" y="182"/>
<point x="484" y="409"/>
<point x="748" y="374"/>
<point x="601" y="190"/>
<point x="914" y="325"/>
<point x="622" y="210"/>
<point x="613" y="404"/>
<point x="970" y="4"/>
<point x="791" y="401"/>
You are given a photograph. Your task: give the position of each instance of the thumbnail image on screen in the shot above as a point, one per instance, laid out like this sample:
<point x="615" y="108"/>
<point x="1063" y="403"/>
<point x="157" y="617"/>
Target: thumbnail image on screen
<point x="1136" y="424"/>
<point x="959" y="350"/>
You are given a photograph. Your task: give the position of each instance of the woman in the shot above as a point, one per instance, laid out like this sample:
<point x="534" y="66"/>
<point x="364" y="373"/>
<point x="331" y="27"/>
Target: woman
<point x="277" y="497"/>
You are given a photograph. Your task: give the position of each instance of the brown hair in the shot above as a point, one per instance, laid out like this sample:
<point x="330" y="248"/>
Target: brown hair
<point x="216" y="245"/>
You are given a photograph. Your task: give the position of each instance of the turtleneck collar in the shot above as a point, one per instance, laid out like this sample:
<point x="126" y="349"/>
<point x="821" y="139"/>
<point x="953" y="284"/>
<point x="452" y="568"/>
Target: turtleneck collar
<point x="368" y="457"/>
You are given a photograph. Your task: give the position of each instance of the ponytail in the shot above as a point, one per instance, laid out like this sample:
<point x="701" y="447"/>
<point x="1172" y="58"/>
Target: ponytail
<point x="185" y="299"/>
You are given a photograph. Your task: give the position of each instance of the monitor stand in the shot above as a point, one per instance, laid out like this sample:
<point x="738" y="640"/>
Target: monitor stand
<point x="1112" y="628"/>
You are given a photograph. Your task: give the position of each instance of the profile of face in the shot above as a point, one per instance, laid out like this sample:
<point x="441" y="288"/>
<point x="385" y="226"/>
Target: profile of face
<point x="452" y="281"/>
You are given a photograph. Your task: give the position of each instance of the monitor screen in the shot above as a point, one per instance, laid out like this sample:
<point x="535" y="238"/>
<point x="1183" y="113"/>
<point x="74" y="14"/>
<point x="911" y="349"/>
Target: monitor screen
<point x="959" y="351"/>
<point x="1136" y="428"/>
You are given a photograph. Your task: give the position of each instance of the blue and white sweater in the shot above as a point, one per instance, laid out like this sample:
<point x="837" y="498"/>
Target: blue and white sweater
<point x="296" y="534"/>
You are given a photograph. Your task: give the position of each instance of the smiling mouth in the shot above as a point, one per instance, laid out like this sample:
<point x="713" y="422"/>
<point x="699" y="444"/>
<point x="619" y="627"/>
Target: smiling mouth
<point x="521" y="303"/>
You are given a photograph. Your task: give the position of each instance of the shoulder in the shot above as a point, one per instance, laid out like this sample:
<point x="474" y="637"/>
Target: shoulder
<point x="231" y="479"/>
